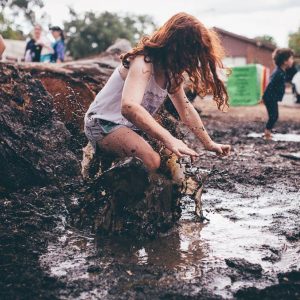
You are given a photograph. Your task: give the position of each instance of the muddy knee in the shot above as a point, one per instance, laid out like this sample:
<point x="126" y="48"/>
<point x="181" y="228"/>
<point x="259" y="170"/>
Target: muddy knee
<point x="152" y="161"/>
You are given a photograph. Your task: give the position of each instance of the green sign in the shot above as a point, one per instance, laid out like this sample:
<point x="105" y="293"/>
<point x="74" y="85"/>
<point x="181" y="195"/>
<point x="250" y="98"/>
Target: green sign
<point x="244" y="85"/>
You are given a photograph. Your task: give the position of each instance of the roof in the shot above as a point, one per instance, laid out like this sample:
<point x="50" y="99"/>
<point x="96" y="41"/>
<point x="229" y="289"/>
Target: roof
<point x="245" y="39"/>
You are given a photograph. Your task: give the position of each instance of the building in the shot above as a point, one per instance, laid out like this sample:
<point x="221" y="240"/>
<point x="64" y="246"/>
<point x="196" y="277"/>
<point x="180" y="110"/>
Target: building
<point x="241" y="50"/>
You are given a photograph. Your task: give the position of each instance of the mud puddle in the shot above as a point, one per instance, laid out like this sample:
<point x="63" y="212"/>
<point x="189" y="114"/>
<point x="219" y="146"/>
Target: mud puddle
<point x="254" y="224"/>
<point x="279" y="137"/>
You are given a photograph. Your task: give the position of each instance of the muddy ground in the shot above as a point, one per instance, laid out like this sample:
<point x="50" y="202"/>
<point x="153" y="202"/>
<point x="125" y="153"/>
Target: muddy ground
<point x="248" y="248"/>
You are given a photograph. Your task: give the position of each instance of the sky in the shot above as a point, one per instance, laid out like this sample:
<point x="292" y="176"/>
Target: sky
<point x="250" y="18"/>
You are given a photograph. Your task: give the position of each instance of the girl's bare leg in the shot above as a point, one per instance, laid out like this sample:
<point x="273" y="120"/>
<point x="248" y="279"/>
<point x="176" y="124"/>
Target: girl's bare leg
<point x="124" y="142"/>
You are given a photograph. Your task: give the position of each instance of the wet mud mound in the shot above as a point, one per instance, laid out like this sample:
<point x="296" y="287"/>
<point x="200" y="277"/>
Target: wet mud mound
<point x="34" y="148"/>
<point x="137" y="204"/>
<point x="36" y="166"/>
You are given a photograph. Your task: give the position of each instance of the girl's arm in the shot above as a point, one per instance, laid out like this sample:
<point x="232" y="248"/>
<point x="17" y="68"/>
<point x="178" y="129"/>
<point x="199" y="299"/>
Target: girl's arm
<point x="191" y="118"/>
<point x="134" y="88"/>
<point x="2" y="45"/>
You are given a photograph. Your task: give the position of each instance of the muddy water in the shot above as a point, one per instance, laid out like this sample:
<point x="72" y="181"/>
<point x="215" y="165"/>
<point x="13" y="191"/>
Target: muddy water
<point x="253" y="223"/>
<point x="279" y="137"/>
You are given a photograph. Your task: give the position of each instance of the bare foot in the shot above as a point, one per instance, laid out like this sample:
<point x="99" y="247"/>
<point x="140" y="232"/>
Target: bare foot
<point x="268" y="134"/>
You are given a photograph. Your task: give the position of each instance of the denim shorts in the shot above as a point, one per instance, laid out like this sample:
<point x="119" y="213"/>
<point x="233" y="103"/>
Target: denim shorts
<point x="96" y="129"/>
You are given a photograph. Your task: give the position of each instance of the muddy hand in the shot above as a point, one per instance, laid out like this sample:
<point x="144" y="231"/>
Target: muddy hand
<point x="219" y="149"/>
<point x="179" y="148"/>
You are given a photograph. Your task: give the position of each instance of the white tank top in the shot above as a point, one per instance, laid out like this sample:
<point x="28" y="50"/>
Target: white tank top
<point x="107" y="104"/>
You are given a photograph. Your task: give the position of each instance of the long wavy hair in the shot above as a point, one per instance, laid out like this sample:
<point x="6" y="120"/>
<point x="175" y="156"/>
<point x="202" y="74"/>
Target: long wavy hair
<point x="183" y="45"/>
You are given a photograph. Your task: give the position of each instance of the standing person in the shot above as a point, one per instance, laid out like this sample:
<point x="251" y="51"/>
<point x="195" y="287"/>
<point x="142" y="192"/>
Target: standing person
<point x="59" y="45"/>
<point x="2" y="45"/>
<point x="149" y="72"/>
<point x="296" y="83"/>
<point x="33" y="46"/>
<point x="283" y="59"/>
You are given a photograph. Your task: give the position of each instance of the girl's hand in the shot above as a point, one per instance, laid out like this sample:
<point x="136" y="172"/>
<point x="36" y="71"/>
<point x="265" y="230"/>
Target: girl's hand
<point x="179" y="148"/>
<point x="219" y="149"/>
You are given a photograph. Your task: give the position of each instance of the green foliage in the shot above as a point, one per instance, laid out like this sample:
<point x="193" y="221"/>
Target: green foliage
<point x="26" y="7"/>
<point x="266" y="38"/>
<point x="294" y="41"/>
<point x="23" y="4"/>
<point x="7" y="30"/>
<point x="92" y="33"/>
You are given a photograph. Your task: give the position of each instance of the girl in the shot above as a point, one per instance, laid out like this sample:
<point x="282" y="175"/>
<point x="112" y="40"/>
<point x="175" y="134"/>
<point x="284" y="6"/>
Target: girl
<point x="152" y="70"/>
<point x="59" y="45"/>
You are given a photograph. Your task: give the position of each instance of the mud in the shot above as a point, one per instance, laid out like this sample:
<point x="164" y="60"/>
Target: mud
<point x="35" y="146"/>
<point x="248" y="248"/>
<point x="249" y="244"/>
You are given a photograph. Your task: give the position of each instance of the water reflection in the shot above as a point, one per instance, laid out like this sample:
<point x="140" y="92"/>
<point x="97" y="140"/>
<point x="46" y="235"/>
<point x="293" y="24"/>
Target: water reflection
<point x="181" y="247"/>
<point x="249" y="224"/>
<point x="279" y="137"/>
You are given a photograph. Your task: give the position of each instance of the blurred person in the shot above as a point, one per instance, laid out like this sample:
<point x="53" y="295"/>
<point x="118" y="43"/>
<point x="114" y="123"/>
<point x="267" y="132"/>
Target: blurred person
<point x="290" y="73"/>
<point x="296" y="83"/>
<point x="274" y="92"/>
<point x="2" y="46"/>
<point x="33" y="47"/>
<point x="47" y="50"/>
<point x="58" y="46"/>
<point x="155" y="68"/>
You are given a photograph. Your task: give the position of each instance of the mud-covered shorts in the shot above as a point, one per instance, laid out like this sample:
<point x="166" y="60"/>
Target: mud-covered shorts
<point x="96" y="129"/>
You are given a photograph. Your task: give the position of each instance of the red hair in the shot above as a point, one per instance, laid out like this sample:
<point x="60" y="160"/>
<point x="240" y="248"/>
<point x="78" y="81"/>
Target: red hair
<point x="184" y="44"/>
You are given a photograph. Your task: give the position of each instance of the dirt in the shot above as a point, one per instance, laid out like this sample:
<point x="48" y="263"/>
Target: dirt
<point x="248" y="247"/>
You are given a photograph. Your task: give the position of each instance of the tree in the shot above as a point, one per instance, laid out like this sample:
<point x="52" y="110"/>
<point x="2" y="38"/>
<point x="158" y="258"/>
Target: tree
<point x="7" y="30"/>
<point x="294" y="41"/>
<point x="92" y="33"/>
<point x="267" y="39"/>
<point x="27" y="7"/>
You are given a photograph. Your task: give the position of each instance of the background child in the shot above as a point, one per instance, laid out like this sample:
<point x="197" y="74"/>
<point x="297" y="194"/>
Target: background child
<point x="283" y="59"/>
<point x="149" y="72"/>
